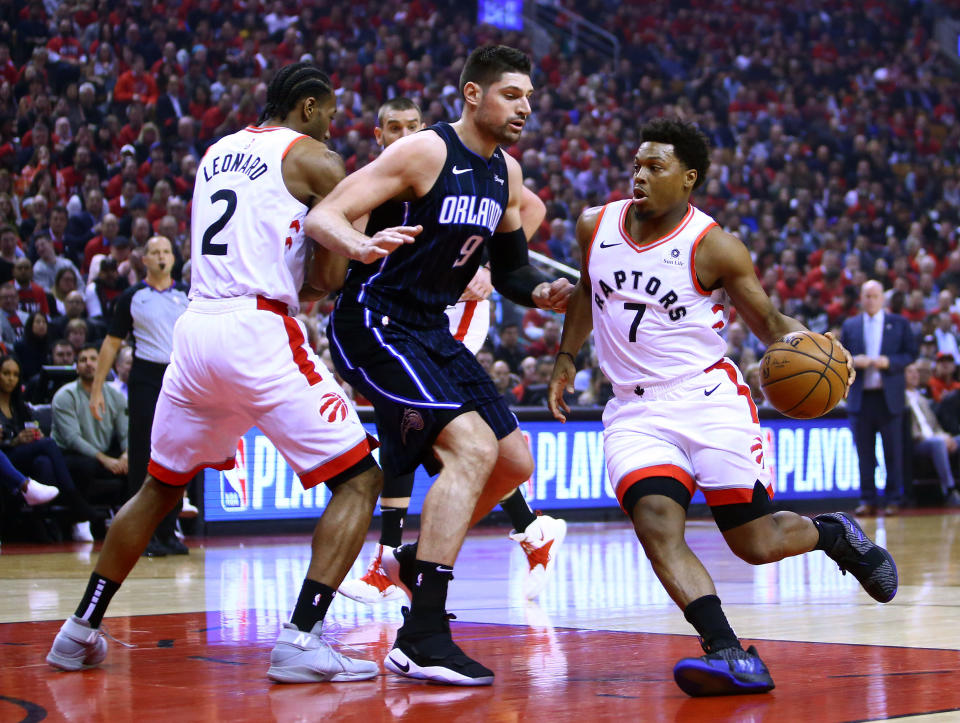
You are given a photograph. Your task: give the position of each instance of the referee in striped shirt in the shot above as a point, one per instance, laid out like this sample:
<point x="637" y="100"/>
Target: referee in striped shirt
<point x="147" y="312"/>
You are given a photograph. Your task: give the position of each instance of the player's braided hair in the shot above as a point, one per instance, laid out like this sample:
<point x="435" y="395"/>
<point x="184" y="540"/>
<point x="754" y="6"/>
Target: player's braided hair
<point x="689" y="144"/>
<point x="290" y="85"/>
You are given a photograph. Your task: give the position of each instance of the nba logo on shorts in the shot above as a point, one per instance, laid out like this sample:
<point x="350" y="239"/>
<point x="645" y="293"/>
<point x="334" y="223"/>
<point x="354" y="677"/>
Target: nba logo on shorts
<point x="233" y="483"/>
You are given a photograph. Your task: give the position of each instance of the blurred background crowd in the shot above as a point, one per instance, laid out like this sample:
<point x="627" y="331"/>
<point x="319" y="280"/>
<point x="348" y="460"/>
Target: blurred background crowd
<point x="833" y="126"/>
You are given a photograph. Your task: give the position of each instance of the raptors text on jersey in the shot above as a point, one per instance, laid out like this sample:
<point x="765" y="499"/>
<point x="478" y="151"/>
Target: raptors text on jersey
<point x="652" y="321"/>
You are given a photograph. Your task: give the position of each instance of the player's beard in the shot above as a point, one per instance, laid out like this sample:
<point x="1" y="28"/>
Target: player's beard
<point x="502" y="133"/>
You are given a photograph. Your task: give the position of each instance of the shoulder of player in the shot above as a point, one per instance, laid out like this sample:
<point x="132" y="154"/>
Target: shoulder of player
<point x="587" y="223"/>
<point x="425" y="148"/>
<point x="721" y="247"/>
<point x="307" y="149"/>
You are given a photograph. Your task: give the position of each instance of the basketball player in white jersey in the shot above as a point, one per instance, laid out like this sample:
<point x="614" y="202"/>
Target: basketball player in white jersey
<point x="682" y="417"/>
<point x="540" y="536"/>
<point x="240" y="359"/>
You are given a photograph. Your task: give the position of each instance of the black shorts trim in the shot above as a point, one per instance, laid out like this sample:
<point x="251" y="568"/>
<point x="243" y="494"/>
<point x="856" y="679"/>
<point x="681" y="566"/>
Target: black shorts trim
<point x="734" y="515"/>
<point x="664" y="486"/>
<point x="350" y="472"/>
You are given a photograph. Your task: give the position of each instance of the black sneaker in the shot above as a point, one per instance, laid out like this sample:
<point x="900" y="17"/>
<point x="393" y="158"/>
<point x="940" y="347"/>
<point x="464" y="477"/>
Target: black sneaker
<point x="425" y="650"/>
<point x="155" y="548"/>
<point x="731" y="671"/>
<point x="857" y="554"/>
<point x="400" y="566"/>
<point x="175" y="546"/>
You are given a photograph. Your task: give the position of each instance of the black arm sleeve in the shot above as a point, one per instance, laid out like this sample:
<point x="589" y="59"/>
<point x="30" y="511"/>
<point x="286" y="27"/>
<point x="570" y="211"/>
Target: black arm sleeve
<point x="510" y="269"/>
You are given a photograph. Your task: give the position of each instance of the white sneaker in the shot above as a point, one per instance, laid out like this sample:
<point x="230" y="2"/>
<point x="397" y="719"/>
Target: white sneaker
<point x="39" y="494"/>
<point x="189" y="510"/>
<point x="81" y="532"/>
<point x="77" y="646"/>
<point x="375" y="586"/>
<point x="540" y="542"/>
<point x="300" y="657"/>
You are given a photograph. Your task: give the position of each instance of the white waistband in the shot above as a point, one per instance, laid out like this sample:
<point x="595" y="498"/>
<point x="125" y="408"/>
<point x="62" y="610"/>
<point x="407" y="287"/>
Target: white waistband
<point x="655" y="391"/>
<point x="234" y="303"/>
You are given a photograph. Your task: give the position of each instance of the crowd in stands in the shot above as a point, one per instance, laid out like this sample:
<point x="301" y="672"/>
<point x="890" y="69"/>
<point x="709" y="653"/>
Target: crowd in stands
<point x="833" y="125"/>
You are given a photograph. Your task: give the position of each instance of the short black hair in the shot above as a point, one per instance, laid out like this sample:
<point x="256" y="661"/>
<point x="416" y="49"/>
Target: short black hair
<point x="290" y="85"/>
<point x="398" y="103"/>
<point x="87" y="347"/>
<point x="485" y="65"/>
<point x="690" y="145"/>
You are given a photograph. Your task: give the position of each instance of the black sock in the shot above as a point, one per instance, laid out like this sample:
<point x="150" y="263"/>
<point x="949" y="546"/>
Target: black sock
<point x="430" y="589"/>
<point x="391" y="525"/>
<point x="830" y="531"/>
<point x="706" y="615"/>
<point x="315" y="598"/>
<point x="94" y="602"/>
<point x="518" y="511"/>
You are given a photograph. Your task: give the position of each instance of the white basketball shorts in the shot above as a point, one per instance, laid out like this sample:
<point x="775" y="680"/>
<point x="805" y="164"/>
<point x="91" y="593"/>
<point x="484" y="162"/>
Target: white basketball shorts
<point x="239" y="363"/>
<point x="702" y="430"/>
<point x="470" y="322"/>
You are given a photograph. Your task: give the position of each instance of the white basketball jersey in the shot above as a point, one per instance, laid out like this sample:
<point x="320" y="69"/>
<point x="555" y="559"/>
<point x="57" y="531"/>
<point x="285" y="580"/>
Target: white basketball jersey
<point x="652" y="321"/>
<point x="247" y="230"/>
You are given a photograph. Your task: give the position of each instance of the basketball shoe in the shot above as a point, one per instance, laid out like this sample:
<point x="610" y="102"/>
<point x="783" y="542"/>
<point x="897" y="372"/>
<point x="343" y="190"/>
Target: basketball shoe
<point x="300" y="657"/>
<point x="425" y="650"/>
<point x="730" y="671"/>
<point x="77" y="646"/>
<point x="540" y="542"/>
<point x="857" y="554"/>
<point x="374" y="586"/>
<point x="399" y="565"/>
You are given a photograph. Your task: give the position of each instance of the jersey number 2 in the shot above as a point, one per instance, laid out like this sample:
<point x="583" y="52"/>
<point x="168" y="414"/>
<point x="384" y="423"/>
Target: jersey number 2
<point x="209" y="247"/>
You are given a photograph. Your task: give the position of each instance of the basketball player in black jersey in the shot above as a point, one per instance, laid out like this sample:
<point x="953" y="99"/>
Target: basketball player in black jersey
<point x="540" y="536"/>
<point x="389" y="336"/>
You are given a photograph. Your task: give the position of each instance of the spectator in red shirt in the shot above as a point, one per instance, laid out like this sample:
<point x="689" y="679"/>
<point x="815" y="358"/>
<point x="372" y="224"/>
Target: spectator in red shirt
<point x="136" y="85"/>
<point x="130" y="133"/>
<point x="110" y="229"/>
<point x="219" y="120"/>
<point x="943" y="379"/>
<point x="32" y="296"/>
<point x="66" y="47"/>
<point x="549" y="343"/>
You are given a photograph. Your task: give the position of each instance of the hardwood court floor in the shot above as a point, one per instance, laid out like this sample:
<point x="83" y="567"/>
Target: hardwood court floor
<point x="599" y="645"/>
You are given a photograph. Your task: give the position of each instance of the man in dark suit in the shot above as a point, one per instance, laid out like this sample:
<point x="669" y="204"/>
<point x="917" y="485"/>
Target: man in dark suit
<point x="882" y="345"/>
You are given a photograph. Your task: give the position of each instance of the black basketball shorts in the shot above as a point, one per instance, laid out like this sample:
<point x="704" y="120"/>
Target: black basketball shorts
<point x="418" y="380"/>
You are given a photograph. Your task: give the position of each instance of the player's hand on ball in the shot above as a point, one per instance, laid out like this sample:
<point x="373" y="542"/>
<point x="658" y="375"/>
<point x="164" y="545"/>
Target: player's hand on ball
<point x="553" y="296"/>
<point x="385" y="241"/>
<point x="564" y="372"/>
<point x="851" y="372"/>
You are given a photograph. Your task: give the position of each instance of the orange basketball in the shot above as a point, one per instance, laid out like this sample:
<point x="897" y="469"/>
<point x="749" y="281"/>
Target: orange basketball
<point x="803" y="375"/>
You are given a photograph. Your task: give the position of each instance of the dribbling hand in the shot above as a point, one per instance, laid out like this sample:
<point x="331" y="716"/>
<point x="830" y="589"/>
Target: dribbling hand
<point x="561" y="381"/>
<point x="553" y="296"/>
<point x="851" y="372"/>
<point x="384" y="242"/>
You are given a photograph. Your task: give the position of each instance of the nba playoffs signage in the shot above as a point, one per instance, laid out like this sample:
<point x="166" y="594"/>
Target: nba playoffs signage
<point x="810" y="460"/>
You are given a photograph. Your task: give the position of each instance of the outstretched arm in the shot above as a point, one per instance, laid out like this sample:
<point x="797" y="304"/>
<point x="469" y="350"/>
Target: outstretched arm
<point x="578" y="322"/>
<point x="721" y="260"/>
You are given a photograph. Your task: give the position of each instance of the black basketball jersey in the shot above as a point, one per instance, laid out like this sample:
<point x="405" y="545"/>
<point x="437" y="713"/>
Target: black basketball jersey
<point x="415" y="283"/>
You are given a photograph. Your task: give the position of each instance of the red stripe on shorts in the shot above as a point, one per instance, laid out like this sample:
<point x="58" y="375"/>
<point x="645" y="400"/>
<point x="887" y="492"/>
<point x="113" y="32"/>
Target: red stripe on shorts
<point x="742" y="389"/>
<point x="738" y="495"/>
<point x="659" y="470"/>
<point x="469" y="307"/>
<point x="179" y="479"/>
<point x="297" y="342"/>
<point x="335" y="466"/>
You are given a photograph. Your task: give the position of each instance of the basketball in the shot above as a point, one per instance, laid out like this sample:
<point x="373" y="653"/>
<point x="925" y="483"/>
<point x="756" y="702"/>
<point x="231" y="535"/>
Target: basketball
<point x="803" y="375"/>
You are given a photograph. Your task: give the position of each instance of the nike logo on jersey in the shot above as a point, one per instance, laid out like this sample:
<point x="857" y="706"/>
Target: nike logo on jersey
<point x="606" y="246"/>
<point x="458" y="171"/>
<point x="707" y="393"/>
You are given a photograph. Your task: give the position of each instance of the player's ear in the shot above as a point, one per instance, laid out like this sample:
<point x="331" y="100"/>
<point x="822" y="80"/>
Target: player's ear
<point x="689" y="179"/>
<point x="472" y="93"/>
<point x="378" y="136"/>
<point x="309" y="107"/>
